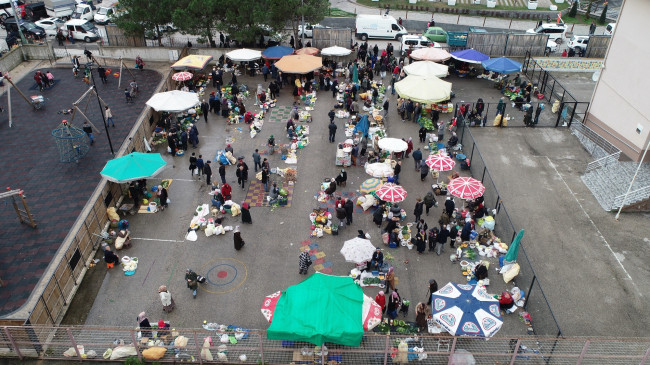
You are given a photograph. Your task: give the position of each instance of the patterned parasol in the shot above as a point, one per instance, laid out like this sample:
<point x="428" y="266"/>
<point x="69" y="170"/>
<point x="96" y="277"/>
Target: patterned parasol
<point x="370" y="185"/>
<point x="391" y="193"/>
<point x="440" y="162"/>
<point x="466" y="188"/>
<point x="182" y="76"/>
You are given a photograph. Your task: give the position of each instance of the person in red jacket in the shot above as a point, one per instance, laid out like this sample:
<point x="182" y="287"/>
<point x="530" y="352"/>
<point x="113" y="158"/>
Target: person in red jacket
<point x="381" y="300"/>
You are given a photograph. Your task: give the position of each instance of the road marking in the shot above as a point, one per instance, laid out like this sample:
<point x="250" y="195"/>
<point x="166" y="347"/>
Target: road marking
<point x="602" y="238"/>
<point x="154" y="239"/>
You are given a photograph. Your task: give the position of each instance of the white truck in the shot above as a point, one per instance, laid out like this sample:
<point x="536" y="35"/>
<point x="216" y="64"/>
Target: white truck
<point x="84" y="12"/>
<point x="378" y="26"/>
<point x="60" y="8"/>
<point x="104" y="14"/>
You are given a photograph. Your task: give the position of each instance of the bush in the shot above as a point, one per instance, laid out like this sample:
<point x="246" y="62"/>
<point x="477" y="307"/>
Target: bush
<point x="574" y="9"/>
<point x="603" y="15"/>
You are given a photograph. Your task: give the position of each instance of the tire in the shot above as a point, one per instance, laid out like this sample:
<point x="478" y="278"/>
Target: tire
<point x="3" y="17"/>
<point x="364" y="37"/>
<point x="87" y="40"/>
<point x="398" y="38"/>
<point x="558" y="41"/>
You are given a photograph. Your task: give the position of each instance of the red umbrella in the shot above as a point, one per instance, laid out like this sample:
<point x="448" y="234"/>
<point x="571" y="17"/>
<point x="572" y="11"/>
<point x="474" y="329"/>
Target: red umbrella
<point x="182" y="76"/>
<point x="391" y="193"/>
<point x="466" y="188"/>
<point x="270" y="301"/>
<point x="440" y="162"/>
<point x="312" y="51"/>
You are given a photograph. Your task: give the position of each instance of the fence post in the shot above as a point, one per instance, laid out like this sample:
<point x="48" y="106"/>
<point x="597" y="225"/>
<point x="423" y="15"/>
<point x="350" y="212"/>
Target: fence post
<point x="196" y="343"/>
<point x="515" y="352"/>
<point x="74" y="344"/>
<point x="56" y="281"/>
<point x="17" y="349"/>
<point x="261" y="348"/>
<point x="484" y="168"/>
<point x="530" y="288"/>
<point x="386" y="347"/>
<point x="559" y="115"/>
<point x="573" y="113"/>
<point x="645" y="358"/>
<point x="583" y="352"/>
<point x="497" y="202"/>
<point x="47" y="310"/>
<point x="550" y="95"/>
<point x="136" y="344"/>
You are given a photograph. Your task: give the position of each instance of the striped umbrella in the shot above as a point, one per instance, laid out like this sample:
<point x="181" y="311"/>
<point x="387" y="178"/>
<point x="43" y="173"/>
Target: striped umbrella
<point x="312" y="51"/>
<point x="466" y="188"/>
<point x="440" y="162"/>
<point x="370" y="186"/>
<point x="391" y="193"/>
<point x="182" y="76"/>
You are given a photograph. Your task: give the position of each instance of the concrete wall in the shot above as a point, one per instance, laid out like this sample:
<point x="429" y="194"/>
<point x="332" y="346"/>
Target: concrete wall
<point x="152" y="54"/>
<point x="11" y="59"/>
<point x="620" y="97"/>
<point x="38" y="52"/>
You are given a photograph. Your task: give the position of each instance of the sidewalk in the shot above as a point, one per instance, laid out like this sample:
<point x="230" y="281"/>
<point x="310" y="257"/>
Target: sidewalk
<point x="472" y="21"/>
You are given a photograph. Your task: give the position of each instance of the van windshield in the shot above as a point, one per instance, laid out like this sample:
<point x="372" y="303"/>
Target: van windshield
<point x="102" y="11"/>
<point x="87" y="27"/>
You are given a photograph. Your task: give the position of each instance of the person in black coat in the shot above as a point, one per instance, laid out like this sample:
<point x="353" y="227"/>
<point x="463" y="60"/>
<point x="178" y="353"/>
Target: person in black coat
<point x="205" y="108"/>
<point x="246" y="214"/>
<point x="467" y="229"/>
<point x="349" y="209"/>
<point x="450" y="206"/>
<point x="442" y="239"/>
<point x="207" y="170"/>
<point x="378" y="216"/>
<point x="332" y="131"/>
<point x="417" y="212"/>
<point x="239" y="242"/>
<point x="341" y="178"/>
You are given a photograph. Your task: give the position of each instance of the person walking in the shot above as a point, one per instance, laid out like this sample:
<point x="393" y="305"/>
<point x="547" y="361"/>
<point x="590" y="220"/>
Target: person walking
<point x="433" y="238"/>
<point x="101" y="71"/>
<point x="89" y="132"/>
<point x="385" y="106"/>
<point x="265" y="178"/>
<point x="239" y="242"/>
<point x="205" y="109"/>
<point x="222" y="173"/>
<point x="429" y="201"/>
<point x="166" y="299"/>
<point x="340" y="215"/>
<point x="246" y="213"/>
<point x="109" y="116"/>
<point x="257" y="159"/>
<point x="424" y="170"/>
<point x="332" y="129"/>
<point x="242" y="174"/>
<point x="422" y="134"/>
<point x="417" y="212"/>
<point x="443" y="235"/>
<point x="192" y="163"/>
<point x="450" y="206"/>
<point x="433" y="287"/>
<point x="191" y="278"/>
<point x="331" y="114"/>
<point x="349" y="209"/>
<point x="200" y="165"/>
<point x="396" y="171"/>
<point x="304" y="262"/>
<point x="417" y="158"/>
<point x="207" y="170"/>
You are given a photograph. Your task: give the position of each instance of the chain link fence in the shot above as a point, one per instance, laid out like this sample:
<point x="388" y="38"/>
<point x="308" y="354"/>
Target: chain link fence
<point x="92" y="343"/>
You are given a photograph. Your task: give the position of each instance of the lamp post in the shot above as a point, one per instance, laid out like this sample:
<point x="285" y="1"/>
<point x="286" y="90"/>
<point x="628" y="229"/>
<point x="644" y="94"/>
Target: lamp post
<point x="302" y="20"/>
<point x="101" y="111"/>
<point x="17" y="16"/>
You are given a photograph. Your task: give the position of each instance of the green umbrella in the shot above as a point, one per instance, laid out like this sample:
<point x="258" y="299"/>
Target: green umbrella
<point x="513" y="250"/>
<point x="134" y="166"/>
<point x="355" y="74"/>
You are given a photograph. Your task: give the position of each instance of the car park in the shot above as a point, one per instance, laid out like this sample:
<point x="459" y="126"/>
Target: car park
<point x="50" y="25"/>
<point x="435" y="34"/>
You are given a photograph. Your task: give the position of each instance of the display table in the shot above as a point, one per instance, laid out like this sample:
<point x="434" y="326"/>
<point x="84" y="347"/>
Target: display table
<point x="343" y="158"/>
<point x="369" y="274"/>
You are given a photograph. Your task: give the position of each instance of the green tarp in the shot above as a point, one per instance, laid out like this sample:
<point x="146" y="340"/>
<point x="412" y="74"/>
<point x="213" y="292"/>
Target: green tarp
<point x="322" y="308"/>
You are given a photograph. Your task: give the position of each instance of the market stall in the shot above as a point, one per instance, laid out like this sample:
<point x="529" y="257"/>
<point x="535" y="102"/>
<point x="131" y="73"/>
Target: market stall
<point x="426" y="69"/>
<point x="430" y="54"/>
<point x="192" y="62"/>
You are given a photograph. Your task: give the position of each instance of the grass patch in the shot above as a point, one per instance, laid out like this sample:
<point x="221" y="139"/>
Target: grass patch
<point x="341" y="13"/>
<point x="580" y="19"/>
<point x="436" y="6"/>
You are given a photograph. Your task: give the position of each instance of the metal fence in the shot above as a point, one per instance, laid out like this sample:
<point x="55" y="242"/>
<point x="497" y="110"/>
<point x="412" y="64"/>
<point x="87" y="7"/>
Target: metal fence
<point x="91" y="343"/>
<point x="514" y="113"/>
<point x="570" y="108"/>
<point x="536" y="303"/>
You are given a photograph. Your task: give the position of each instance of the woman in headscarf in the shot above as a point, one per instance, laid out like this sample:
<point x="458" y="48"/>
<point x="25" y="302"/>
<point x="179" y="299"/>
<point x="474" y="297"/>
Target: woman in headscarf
<point x="245" y="213"/>
<point x="162" y="194"/>
<point x="145" y="326"/>
<point x="393" y="305"/>
<point x="421" y="317"/>
<point x="378" y="216"/>
<point x="409" y="147"/>
<point x="380" y="299"/>
<point x="420" y="239"/>
<point x="166" y="299"/>
<point x="505" y="301"/>
<point x="390" y="279"/>
<point x="433" y="287"/>
<point x="226" y="191"/>
<point x="239" y="242"/>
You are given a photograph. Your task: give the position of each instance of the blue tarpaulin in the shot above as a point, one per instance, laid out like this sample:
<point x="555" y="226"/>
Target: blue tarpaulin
<point x="276" y="52"/>
<point x="502" y="65"/>
<point x="362" y="126"/>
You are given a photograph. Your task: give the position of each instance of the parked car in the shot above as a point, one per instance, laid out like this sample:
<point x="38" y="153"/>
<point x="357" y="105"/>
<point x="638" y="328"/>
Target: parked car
<point x="81" y="30"/>
<point x="7" y="11"/>
<point x="609" y="29"/>
<point x="435" y="34"/>
<point x="35" y="11"/>
<point x="50" y="25"/>
<point x="578" y="42"/>
<point x="551" y="46"/>
<point x="554" y="31"/>
<point x="414" y="42"/>
<point x="309" y="29"/>
<point x="104" y="14"/>
<point x="28" y="28"/>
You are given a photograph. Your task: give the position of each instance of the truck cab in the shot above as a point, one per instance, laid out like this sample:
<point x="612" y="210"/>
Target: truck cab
<point x="84" y="12"/>
<point x="104" y="14"/>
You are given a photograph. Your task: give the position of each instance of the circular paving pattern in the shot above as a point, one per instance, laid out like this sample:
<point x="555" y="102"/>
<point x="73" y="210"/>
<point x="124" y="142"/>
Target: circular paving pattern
<point x="223" y="275"/>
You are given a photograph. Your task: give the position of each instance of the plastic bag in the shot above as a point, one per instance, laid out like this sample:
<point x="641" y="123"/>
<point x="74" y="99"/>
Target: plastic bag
<point x="123" y="351"/>
<point x="224" y="338"/>
<point x="191" y="236"/>
<point x="154" y="353"/>
<point x="107" y="354"/>
<point x="180" y="341"/>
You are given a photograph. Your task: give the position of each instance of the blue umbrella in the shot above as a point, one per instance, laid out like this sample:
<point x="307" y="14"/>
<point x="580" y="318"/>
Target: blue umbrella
<point x="502" y="65"/>
<point x="362" y="126"/>
<point x="276" y="52"/>
<point x="466" y="310"/>
<point x="470" y="56"/>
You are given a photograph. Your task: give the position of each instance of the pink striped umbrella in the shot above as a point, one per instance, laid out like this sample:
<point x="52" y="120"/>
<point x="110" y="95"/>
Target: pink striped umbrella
<point x="182" y="76"/>
<point x="466" y="188"/>
<point x="391" y="193"/>
<point x="312" y="51"/>
<point x="440" y="162"/>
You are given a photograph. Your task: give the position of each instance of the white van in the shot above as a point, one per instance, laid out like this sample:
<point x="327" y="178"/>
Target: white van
<point x="414" y="42"/>
<point x="555" y="31"/>
<point x="378" y="26"/>
<point x="609" y="29"/>
<point x="81" y="30"/>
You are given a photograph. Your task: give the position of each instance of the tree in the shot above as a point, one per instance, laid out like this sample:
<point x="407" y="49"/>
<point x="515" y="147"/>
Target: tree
<point x="588" y="12"/>
<point x="198" y="17"/>
<point x="603" y="15"/>
<point x="244" y="20"/>
<point x="136" y="17"/>
<point x="283" y="11"/>
<point x="574" y="9"/>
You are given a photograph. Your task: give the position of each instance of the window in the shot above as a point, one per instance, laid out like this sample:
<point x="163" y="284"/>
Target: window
<point x="395" y="27"/>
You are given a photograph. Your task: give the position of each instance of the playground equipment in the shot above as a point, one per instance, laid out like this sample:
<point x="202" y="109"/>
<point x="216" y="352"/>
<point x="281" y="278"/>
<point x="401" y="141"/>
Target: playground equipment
<point x="71" y="142"/>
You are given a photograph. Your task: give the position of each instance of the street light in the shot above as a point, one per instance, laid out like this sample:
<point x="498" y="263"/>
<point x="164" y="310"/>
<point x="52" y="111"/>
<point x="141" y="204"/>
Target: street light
<point x="101" y="111"/>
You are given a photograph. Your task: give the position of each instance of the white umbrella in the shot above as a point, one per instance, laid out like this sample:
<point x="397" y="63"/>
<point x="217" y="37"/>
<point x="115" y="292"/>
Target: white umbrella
<point x="426" y="69"/>
<point x="244" y="54"/>
<point x="426" y="90"/>
<point x="174" y="101"/>
<point x="379" y="169"/>
<point x="357" y="250"/>
<point x="335" y="51"/>
<point x="393" y="144"/>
